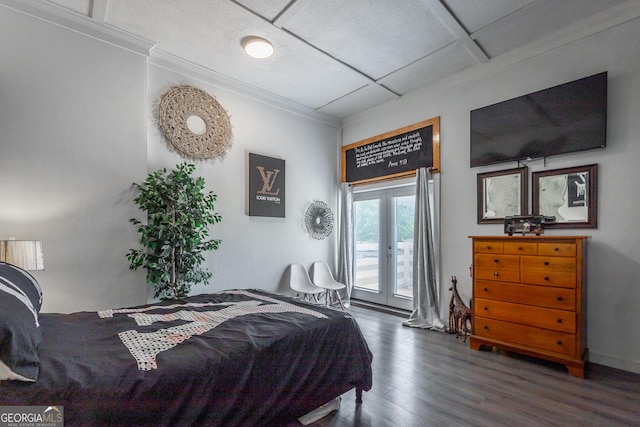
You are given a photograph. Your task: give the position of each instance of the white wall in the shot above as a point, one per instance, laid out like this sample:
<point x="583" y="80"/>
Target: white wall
<point x="78" y="128"/>
<point x="614" y="255"/>
<point x="72" y="139"/>
<point x="256" y="251"/>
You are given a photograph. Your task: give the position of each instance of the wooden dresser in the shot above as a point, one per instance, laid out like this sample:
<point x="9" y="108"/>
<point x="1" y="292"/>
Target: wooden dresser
<point x="529" y="297"/>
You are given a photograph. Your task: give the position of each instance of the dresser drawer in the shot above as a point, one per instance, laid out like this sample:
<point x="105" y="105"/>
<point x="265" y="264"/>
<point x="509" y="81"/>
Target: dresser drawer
<point x="488" y="247"/>
<point x="502" y="275"/>
<point x="520" y="248"/>
<point x="497" y="261"/>
<point x="542" y="296"/>
<point x="549" y="263"/>
<point x="548" y="278"/>
<point x="557" y="249"/>
<point x="526" y="336"/>
<point x="539" y="317"/>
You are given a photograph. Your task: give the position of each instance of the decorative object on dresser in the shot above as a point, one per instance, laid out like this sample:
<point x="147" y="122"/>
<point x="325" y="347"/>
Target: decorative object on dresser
<point x="194" y="122"/>
<point x="526" y="224"/>
<point x="529" y="297"/>
<point x="461" y="313"/>
<point x="501" y="194"/>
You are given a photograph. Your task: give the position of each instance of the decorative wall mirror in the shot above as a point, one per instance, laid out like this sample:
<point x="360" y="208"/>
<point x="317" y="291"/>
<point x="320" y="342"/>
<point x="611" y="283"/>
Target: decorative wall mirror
<point x="318" y="219"/>
<point x="569" y="194"/>
<point x="501" y="194"/>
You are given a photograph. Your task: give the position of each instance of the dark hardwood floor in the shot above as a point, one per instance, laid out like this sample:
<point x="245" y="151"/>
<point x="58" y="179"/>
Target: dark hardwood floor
<point x="426" y="378"/>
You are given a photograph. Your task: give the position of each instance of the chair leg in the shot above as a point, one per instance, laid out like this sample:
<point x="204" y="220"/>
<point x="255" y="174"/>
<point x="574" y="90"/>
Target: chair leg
<point x="339" y="300"/>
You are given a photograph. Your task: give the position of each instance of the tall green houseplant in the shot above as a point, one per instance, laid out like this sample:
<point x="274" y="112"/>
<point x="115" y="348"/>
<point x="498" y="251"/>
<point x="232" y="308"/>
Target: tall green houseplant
<point x="174" y="239"/>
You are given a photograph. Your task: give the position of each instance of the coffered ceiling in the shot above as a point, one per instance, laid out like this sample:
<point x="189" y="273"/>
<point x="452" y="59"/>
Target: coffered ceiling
<point x="340" y="58"/>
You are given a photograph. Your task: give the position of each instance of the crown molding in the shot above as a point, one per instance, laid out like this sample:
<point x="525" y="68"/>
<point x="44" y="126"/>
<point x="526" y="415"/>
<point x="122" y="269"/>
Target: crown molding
<point x="100" y="30"/>
<point x="77" y="22"/>
<point x="172" y="62"/>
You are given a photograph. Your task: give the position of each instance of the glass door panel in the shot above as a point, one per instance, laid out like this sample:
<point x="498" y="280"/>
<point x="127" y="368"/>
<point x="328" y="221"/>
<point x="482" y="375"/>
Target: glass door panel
<point x="383" y="237"/>
<point x="404" y="208"/>
<point x="367" y="240"/>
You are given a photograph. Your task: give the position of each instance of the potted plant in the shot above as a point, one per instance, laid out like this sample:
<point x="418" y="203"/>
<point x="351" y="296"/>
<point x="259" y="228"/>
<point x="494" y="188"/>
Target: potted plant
<point x="174" y="239"/>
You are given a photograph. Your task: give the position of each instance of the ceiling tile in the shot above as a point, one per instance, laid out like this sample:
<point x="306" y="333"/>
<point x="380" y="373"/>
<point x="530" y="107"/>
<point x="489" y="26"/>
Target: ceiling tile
<point x="365" y="97"/>
<point x="477" y="14"/>
<point x="537" y="20"/>
<point x="445" y="62"/>
<point x="374" y="36"/>
<point x="210" y="35"/>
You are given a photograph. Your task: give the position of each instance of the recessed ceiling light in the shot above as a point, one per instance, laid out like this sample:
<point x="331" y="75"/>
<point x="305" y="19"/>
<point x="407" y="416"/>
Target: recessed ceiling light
<point x="257" y="47"/>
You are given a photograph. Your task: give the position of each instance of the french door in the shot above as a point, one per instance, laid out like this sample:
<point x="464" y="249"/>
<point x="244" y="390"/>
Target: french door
<point x="383" y="237"/>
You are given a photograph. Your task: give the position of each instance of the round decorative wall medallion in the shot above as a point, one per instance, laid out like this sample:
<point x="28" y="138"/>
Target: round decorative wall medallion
<point x="194" y="122"/>
<point x="318" y="219"/>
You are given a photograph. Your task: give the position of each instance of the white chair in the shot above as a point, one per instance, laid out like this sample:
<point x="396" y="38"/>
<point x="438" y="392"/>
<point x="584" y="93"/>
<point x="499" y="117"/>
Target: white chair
<point x="300" y="282"/>
<point x="323" y="278"/>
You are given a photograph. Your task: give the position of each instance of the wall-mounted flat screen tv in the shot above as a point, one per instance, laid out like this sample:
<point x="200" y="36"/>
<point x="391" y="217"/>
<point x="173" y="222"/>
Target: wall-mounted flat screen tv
<point x="562" y="119"/>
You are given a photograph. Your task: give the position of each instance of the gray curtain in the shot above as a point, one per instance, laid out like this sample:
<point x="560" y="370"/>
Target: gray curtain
<point x="425" y="283"/>
<point x="345" y="249"/>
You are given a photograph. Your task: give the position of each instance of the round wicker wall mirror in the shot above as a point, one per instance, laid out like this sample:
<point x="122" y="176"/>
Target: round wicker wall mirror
<point x="194" y="122"/>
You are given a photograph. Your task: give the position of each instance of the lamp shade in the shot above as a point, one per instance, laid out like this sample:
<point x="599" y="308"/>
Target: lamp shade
<point x="26" y="254"/>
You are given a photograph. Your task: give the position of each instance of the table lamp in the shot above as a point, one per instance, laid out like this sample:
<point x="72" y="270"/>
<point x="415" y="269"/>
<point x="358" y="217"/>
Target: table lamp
<point x="26" y="254"/>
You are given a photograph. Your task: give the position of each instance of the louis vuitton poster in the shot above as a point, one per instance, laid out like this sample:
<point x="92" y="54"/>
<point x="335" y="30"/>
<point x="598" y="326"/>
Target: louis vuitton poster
<point x="266" y="186"/>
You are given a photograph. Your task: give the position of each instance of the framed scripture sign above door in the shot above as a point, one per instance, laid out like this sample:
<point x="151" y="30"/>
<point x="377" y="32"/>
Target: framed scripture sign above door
<point x="266" y="186"/>
<point x="395" y="154"/>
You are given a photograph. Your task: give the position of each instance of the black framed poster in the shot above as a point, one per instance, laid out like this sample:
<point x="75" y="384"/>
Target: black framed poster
<point x="266" y="186"/>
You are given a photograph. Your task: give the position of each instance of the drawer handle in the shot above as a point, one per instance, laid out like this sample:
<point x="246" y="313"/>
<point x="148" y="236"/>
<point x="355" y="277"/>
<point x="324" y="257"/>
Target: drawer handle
<point x="559" y="320"/>
<point x="486" y="327"/>
<point x="546" y="278"/>
<point x="496" y="260"/>
<point x="556" y="249"/>
<point x="520" y="248"/>
<point x="559" y="298"/>
<point x="486" y="290"/>
<point x="546" y="263"/>
<point x="489" y="247"/>
<point x="495" y="273"/>
<point x="559" y="342"/>
<point x="486" y="308"/>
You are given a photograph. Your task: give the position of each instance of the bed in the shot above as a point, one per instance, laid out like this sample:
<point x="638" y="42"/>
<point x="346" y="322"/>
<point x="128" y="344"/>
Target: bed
<point x="232" y="358"/>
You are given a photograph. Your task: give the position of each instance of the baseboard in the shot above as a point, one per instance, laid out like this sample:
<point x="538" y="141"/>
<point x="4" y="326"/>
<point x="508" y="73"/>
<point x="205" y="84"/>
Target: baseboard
<point x="379" y="307"/>
<point x="614" y="362"/>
